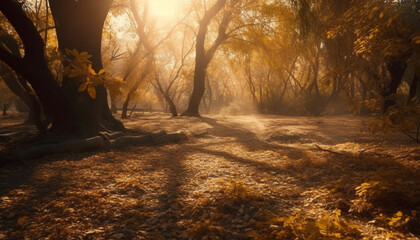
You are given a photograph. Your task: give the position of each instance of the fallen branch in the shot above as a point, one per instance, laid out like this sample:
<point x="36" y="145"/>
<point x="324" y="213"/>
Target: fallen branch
<point x="171" y="137"/>
<point x="416" y="139"/>
<point x="326" y="150"/>
<point x="104" y="140"/>
<point x="143" y="139"/>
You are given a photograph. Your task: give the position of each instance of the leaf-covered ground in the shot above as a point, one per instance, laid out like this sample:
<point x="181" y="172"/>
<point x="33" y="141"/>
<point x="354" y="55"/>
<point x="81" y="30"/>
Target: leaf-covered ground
<point x="237" y="177"/>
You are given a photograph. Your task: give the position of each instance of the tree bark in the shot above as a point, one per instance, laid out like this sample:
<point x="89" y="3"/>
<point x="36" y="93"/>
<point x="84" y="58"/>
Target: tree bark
<point x="144" y="40"/>
<point x="114" y="105"/>
<point x="34" y="69"/>
<point x="171" y="104"/>
<point x="79" y="26"/>
<point x="203" y="58"/>
<point x="5" y="108"/>
<point x="396" y="70"/>
<point x="20" y="87"/>
<point x="125" y="107"/>
<point x="413" y="87"/>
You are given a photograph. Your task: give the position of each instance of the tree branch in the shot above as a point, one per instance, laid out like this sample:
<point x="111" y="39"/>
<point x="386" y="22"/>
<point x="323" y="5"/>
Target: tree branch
<point x="221" y="36"/>
<point x="12" y="61"/>
<point x="30" y="37"/>
<point x="326" y="150"/>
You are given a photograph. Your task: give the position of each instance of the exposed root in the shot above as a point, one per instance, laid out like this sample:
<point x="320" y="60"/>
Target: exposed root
<point x="104" y="140"/>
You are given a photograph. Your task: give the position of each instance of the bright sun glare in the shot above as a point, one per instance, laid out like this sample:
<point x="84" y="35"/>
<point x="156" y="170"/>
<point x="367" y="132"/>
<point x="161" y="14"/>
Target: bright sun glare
<point x="163" y="13"/>
<point x="165" y="10"/>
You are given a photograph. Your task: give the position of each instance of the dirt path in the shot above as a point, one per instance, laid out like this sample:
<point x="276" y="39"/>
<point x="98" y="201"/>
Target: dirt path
<point x="237" y="177"/>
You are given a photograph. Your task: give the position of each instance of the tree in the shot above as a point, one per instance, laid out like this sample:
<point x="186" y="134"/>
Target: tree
<point x="69" y="111"/>
<point x="84" y="33"/>
<point x="203" y="56"/>
<point x="387" y="33"/>
<point x="165" y="76"/>
<point x="18" y="85"/>
<point x="144" y="43"/>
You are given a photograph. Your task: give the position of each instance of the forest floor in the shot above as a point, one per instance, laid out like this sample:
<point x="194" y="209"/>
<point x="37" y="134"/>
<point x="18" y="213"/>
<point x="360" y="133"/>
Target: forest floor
<point x="236" y="177"/>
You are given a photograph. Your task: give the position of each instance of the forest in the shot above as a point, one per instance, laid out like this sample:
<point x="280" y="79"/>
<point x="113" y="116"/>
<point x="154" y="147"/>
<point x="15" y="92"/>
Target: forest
<point x="209" y="119"/>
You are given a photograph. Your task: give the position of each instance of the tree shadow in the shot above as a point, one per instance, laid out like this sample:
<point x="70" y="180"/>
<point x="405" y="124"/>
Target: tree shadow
<point x="240" y="135"/>
<point x="159" y="183"/>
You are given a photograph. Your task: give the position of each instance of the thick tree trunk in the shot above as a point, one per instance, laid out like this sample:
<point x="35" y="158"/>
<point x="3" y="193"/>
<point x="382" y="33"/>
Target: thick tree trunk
<point x="34" y="69"/>
<point x="20" y="87"/>
<point x="199" y="86"/>
<point x="79" y="26"/>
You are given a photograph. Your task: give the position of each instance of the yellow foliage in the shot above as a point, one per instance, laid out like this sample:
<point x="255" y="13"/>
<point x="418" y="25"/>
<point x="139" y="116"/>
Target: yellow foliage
<point x="83" y="86"/>
<point x="80" y="68"/>
<point x="398" y="220"/>
<point x="92" y="91"/>
<point x="329" y="226"/>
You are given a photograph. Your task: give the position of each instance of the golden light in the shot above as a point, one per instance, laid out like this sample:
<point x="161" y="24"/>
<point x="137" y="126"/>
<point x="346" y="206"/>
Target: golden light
<point x="165" y="11"/>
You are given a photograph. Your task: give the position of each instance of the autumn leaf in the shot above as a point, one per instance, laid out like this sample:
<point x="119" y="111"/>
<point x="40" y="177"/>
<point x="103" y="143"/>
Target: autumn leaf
<point x="91" y="70"/>
<point x="22" y="220"/>
<point x="83" y="86"/>
<point x="92" y="91"/>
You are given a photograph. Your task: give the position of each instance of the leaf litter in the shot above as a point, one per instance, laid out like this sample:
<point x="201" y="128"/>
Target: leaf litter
<point x="237" y="177"/>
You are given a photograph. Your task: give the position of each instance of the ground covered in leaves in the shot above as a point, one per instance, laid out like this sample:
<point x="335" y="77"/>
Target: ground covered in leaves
<point x="236" y="177"/>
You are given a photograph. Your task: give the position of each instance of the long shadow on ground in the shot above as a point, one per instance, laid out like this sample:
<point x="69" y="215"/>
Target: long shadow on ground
<point x="158" y="192"/>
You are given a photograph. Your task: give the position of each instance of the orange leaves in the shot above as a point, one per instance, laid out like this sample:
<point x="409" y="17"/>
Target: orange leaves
<point x="80" y="69"/>
<point x="92" y="91"/>
<point x="83" y="86"/>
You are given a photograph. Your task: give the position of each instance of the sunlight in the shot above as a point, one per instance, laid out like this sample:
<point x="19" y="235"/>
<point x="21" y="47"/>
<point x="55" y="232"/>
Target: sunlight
<point x="165" y="11"/>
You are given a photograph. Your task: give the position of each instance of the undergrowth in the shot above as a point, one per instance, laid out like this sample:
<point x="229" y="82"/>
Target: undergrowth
<point x="329" y="225"/>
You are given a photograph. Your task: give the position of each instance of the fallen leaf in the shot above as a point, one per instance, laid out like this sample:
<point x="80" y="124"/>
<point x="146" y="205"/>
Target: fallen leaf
<point x="22" y="220"/>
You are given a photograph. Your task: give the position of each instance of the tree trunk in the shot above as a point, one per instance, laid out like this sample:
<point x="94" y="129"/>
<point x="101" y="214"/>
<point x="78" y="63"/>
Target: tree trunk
<point x="34" y="69"/>
<point x="171" y="104"/>
<point x="198" y="90"/>
<point x="79" y="26"/>
<point x="413" y="87"/>
<point x="125" y="107"/>
<point x="396" y="70"/>
<point x="202" y="58"/>
<point x="20" y="89"/>
<point x="5" y="107"/>
<point x="114" y="105"/>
